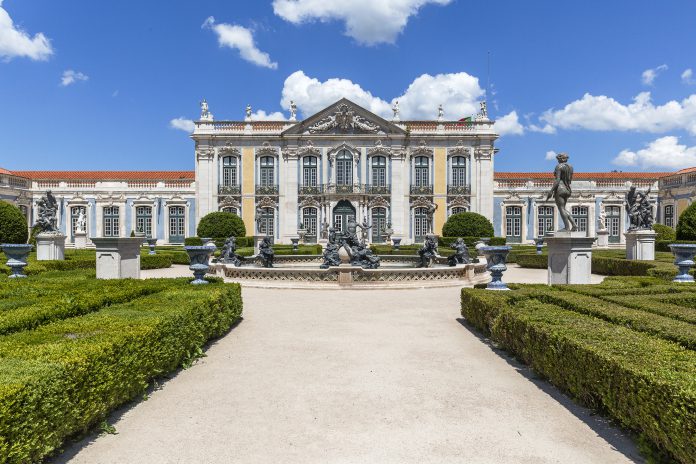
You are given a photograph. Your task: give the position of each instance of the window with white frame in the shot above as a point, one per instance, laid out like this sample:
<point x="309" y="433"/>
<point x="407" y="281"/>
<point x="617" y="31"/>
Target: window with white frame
<point x="111" y="221"/>
<point x="309" y="221"/>
<point x="309" y="171"/>
<point x="379" y="224"/>
<point x="177" y="224"/>
<point x="545" y="220"/>
<point x="580" y="216"/>
<point x="458" y="209"/>
<point x="344" y="168"/>
<point x="267" y="171"/>
<point x="420" y="223"/>
<point x="669" y="215"/>
<point x="267" y="221"/>
<point x="613" y="215"/>
<point x="229" y="171"/>
<point x="458" y="171"/>
<point x="143" y="219"/>
<point x="513" y="224"/>
<point x="230" y="209"/>
<point x="379" y="171"/>
<point x="421" y="171"/>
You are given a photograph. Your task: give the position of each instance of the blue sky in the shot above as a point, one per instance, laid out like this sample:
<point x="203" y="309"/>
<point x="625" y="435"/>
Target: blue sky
<point x="103" y="85"/>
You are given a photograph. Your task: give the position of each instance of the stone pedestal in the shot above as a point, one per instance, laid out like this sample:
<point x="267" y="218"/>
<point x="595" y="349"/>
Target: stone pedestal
<point x="640" y="244"/>
<point x="80" y="240"/>
<point x="118" y="257"/>
<point x="603" y="238"/>
<point x="50" y="246"/>
<point x="345" y="275"/>
<point x="570" y="257"/>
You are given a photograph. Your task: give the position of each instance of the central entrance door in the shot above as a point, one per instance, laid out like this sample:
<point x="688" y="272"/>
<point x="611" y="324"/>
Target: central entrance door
<point x="342" y="213"/>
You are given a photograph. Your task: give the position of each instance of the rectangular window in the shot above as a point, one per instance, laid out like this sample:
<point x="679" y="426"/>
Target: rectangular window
<point x="143" y="220"/>
<point x="111" y="221"/>
<point x="513" y="223"/>
<point x="309" y="177"/>
<point x="422" y="177"/>
<point x="669" y="215"/>
<point x="459" y="176"/>
<point x="379" y="177"/>
<point x="580" y="215"/>
<point x="545" y="220"/>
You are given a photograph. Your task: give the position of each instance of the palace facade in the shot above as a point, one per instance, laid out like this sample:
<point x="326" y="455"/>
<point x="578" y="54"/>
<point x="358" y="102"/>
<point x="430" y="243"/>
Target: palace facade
<point x="677" y="192"/>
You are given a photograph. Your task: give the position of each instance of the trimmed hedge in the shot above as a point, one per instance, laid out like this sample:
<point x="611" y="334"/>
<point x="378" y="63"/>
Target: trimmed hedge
<point x="13" y="224"/>
<point x="221" y="224"/>
<point x="467" y="224"/>
<point x="646" y="383"/>
<point x="61" y="379"/>
<point x="686" y="227"/>
<point x="664" y="233"/>
<point x="663" y="245"/>
<point x="161" y="261"/>
<point x="193" y="241"/>
<point x="532" y="261"/>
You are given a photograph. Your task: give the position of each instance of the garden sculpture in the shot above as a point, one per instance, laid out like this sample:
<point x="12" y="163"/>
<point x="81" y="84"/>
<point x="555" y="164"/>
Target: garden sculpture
<point x="428" y="251"/>
<point x="461" y="254"/>
<point x="48" y="213"/>
<point x="266" y="252"/>
<point x="360" y="254"/>
<point x="639" y="209"/>
<point x="228" y="255"/>
<point x="560" y="191"/>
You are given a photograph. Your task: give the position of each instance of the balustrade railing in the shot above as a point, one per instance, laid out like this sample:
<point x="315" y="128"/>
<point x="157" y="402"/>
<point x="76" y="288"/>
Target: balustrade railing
<point x="229" y="190"/>
<point x="421" y="190"/>
<point x="267" y="190"/>
<point x="458" y="189"/>
<point x="310" y="189"/>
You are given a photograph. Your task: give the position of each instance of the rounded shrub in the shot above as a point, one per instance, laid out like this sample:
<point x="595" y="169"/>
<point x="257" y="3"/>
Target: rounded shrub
<point x="13" y="224"/>
<point x="221" y="224"/>
<point x="664" y="232"/>
<point x="467" y="225"/>
<point x="686" y="227"/>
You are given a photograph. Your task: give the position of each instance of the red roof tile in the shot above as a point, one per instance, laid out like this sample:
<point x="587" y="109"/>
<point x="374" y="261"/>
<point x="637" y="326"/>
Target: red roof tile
<point x="683" y="171"/>
<point x="107" y="175"/>
<point x="5" y="171"/>
<point x="581" y="175"/>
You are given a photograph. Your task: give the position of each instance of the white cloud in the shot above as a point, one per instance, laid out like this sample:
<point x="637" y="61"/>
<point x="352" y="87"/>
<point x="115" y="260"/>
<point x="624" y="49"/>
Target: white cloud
<point x="261" y="115"/>
<point x="545" y="129"/>
<point x="241" y="39"/>
<point x="649" y="75"/>
<point x="687" y="77"/>
<point x="70" y="77"/>
<point x="509" y="125"/>
<point x="665" y="152"/>
<point x="14" y="42"/>
<point x="367" y="21"/>
<point x="458" y="92"/>
<point x="182" y="124"/>
<point x="602" y="113"/>
<point x="550" y="155"/>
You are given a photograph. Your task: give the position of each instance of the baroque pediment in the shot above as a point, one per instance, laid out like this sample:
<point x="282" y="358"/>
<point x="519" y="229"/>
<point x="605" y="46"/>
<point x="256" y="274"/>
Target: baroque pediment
<point x="344" y="117"/>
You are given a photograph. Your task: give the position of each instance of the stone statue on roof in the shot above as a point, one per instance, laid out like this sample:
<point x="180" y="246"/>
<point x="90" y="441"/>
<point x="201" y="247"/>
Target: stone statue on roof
<point x="293" y="111"/>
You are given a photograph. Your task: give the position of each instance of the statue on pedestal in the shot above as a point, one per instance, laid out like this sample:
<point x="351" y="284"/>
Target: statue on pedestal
<point x="48" y="213"/>
<point x="81" y="222"/>
<point x="440" y="113"/>
<point x="360" y="254"/>
<point x="602" y="221"/>
<point x="461" y="254"/>
<point x="247" y="113"/>
<point x="428" y="251"/>
<point x="228" y="255"/>
<point x="395" y="110"/>
<point x="560" y="191"/>
<point x="266" y="252"/>
<point x="639" y="209"/>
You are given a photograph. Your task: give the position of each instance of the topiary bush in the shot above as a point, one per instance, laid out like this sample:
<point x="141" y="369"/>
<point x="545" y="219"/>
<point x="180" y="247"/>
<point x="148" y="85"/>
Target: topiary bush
<point x="467" y="225"/>
<point x="13" y="224"/>
<point x="686" y="227"/>
<point x="664" y="232"/>
<point x="221" y="224"/>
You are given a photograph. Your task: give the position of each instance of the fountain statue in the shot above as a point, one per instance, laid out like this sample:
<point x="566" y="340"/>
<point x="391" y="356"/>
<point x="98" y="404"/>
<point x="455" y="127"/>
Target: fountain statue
<point x="360" y="254"/>
<point x="428" y="251"/>
<point x="331" y="257"/>
<point x="228" y="255"/>
<point x="461" y="254"/>
<point x="266" y="252"/>
<point x="639" y="209"/>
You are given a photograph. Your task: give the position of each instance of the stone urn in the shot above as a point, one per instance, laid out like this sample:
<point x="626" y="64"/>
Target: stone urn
<point x="495" y="264"/>
<point x="397" y="243"/>
<point x="684" y="259"/>
<point x="539" y="242"/>
<point x="17" y="255"/>
<point x="200" y="262"/>
<point x="295" y="242"/>
<point x="302" y="232"/>
<point x="151" y="242"/>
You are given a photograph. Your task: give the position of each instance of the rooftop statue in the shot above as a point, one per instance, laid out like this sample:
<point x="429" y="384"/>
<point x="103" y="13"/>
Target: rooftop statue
<point x="48" y="213"/>
<point x="206" y="115"/>
<point x="396" y="110"/>
<point x="440" y="113"/>
<point x="639" y="209"/>
<point x="560" y="191"/>
<point x="293" y="111"/>
<point x="247" y="113"/>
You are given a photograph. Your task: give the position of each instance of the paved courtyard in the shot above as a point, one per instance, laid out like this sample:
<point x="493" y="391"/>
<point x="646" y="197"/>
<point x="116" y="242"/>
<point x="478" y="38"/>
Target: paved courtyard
<point x="380" y="376"/>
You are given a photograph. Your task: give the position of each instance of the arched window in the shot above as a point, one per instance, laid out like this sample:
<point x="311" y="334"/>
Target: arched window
<point x="177" y="224"/>
<point x="111" y="221"/>
<point x="420" y="224"/>
<point x="458" y="209"/>
<point x="74" y="215"/>
<point x="458" y="171"/>
<point x="669" y="215"/>
<point x="267" y="174"/>
<point x="580" y="214"/>
<point x="267" y="221"/>
<point x="229" y="171"/>
<point x="513" y="224"/>
<point x="379" y="171"/>
<point x="344" y="168"/>
<point x="545" y="220"/>
<point x="309" y="221"/>
<point x="230" y="209"/>
<point x="379" y="224"/>
<point x="143" y="219"/>
<point x="421" y="173"/>
<point x="309" y="171"/>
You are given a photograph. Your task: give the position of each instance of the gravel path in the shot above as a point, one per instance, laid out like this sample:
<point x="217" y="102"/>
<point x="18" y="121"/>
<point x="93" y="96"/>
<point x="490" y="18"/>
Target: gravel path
<point x="354" y="377"/>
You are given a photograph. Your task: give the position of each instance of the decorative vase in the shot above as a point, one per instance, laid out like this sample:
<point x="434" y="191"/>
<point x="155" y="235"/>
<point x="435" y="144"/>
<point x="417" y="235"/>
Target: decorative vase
<point x="684" y="259"/>
<point x="200" y="258"/>
<point x="397" y="243"/>
<point x="495" y="264"/>
<point x="295" y="241"/>
<point x="17" y="255"/>
<point x="539" y="241"/>
<point x="151" y="242"/>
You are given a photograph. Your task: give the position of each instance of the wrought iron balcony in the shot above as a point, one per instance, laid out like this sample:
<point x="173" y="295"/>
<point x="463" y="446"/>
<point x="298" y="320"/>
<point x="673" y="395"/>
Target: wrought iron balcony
<point x="229" y="190"/>
<point x="267" y="190"/>
<point x="421" y="190"/>
<point x="379" y="189"/>
<point x="458" y="189"/>
<point x="310" y="190"/>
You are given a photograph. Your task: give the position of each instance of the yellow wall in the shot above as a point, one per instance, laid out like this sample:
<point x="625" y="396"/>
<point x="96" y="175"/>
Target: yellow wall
<point x="440" y="215"/>
<point x="681" y="206"/>
<point x="248" y="189"/>
<point x="440" y="189"/>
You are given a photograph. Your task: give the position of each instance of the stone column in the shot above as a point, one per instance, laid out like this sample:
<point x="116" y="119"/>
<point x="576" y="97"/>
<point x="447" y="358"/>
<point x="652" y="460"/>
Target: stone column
<point x="399" y="197"/>
<point x="288" y="201"/>
<point x="483" y="170"/>
<point x="205" y="177"/>
<point x="570" y="257"/>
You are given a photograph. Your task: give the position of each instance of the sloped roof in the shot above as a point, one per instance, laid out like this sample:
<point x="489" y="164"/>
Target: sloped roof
<point x="5" y="171"/>
<point x="107" y="175"/>
<point x="581" y="175"/>
<point x="683" y="171"/>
